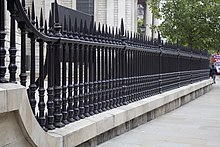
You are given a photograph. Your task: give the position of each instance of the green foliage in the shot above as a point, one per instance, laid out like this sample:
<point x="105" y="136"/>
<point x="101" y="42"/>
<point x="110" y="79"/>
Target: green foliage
<point x="194" y="23"/>
<point x="140" y="23"/>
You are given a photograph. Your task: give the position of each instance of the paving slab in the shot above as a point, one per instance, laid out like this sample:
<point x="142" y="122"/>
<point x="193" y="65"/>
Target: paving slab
<point x="196" y="124"/>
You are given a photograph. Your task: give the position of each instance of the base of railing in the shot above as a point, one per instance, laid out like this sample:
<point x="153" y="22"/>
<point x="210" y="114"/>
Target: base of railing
<point x="154" y="107"/>
<point x="21" y="127"/>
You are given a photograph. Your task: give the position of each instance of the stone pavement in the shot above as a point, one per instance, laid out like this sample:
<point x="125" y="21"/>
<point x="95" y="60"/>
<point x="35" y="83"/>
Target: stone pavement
<point x="196" y="124"/>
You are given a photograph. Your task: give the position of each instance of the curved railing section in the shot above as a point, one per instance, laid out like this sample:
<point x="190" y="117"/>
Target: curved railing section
<point x="91" y="68"/>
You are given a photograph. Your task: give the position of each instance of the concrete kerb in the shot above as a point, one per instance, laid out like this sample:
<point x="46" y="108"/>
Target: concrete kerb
<point x="14" y="98"/>
<point x="17" y="102"/>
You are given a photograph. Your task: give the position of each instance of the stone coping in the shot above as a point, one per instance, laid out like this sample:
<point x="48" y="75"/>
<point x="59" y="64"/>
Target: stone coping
<point x="14" y="98"/>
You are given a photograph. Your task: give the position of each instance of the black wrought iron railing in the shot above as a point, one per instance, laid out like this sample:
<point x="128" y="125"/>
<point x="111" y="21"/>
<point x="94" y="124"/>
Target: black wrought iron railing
<point x="91" y="70"/>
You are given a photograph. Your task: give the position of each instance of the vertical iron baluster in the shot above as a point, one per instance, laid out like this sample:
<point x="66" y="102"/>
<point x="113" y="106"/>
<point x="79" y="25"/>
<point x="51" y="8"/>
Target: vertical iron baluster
<point x="95" y="75"/>
<point x="121" y="70"/>
<point x="2" y="42"/>
<point x="81" y="74"/>
<point x="103" y="50"/>
<point x="99" y="79"/>
<point x="41" y="90"/>
<point x="114" y="74"/>
<point x="23" y="75"/>
<point x="102" y="94"/>
<point x="135" y="77"/>
<point x="81" y="84"/>
<point x="64" y="86"/>
<point x="86" y="81"/>
<point x="70" y="81"/>
<point x="95" y="78"/>
<point x="99" y="84"/>
<point x="91" y="76"/>
<point x="32" y="87"/>
<point x="118" y="92"/>
<point x="107" y="52"/>
<point x="110" y="72"/>
<point x="12" y="50"/>
<point x="57" y="74"/>
<point x="129" y="75"/>
<point x="91" y="81"/>
<point x="21" y="25"/>
<point x="139" y="75"/>
<point x="50" y="89"/>
<point x="57" y="88"/>
<point x="124" y="65"/>
<point x="76" y="85"/>
<point x="115" y="98"/>
<point x="86" y="89"/>
<point x="132" y="76"/>
<point x="125" y="75"/>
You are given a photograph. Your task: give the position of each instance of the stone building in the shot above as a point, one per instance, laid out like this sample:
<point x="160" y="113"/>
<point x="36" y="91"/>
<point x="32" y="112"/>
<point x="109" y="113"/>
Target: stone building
<point x="149" y="19"/>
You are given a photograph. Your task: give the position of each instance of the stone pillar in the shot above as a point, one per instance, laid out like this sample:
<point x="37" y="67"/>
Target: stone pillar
<point x="68" y="3"/>
<point x="115" y="13"/>
<point x="111" y="12"/>
<point x="121" y="11"/>
<point x="100" y="13"/>
<point x="110" y="16"/>
<point x="134" y="15"/>
<point x="148" y="21"/>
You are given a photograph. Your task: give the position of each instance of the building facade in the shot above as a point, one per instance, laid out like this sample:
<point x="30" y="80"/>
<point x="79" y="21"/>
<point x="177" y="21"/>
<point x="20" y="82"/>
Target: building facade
<point x="148" y="19"/>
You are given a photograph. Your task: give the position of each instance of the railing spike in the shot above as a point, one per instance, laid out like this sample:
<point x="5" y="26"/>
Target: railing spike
<point x="50" y="33"/>
<point x="29" y="13"/>
<point x="116" y="32"/>
<point x="131" y="36"/>
<point x="37" y="23"/>
<point x="113" y="32"/>
<point x="70" y="28"/>
<point x="33" y="13"/>
<point x="50" y="20"/>
<point x="65" y="24"/>
<point x="23" y="3"/>
<point x="65" y="27"/>
<point x="41" y="18"/>
<point x="91" y="27"/>
<point x="99" y="29"/>
<point x="56" y="12"/>
<point x="106" y="30"/>
<point x="81" y="26"/>
<point x="76" y="25"/>
<point x="85" y="27"/>
<point x="109" y="31"/>
<point x="159" y="38"/>
<point x="122" y="27"/>
<point x="45" y="27"/>
<point x="70" y="24"/>
<point x="128" y="35"/>
<point x="103" y="29"/>
<point x="76" y="34"/>
<point x="94" y="29"/>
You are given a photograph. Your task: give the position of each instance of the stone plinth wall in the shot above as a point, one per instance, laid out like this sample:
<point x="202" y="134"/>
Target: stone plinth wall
<point x="19" y="127"/>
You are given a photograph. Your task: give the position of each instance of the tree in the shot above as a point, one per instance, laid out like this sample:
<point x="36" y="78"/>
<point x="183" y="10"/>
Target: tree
<point x="193" y="23"/>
